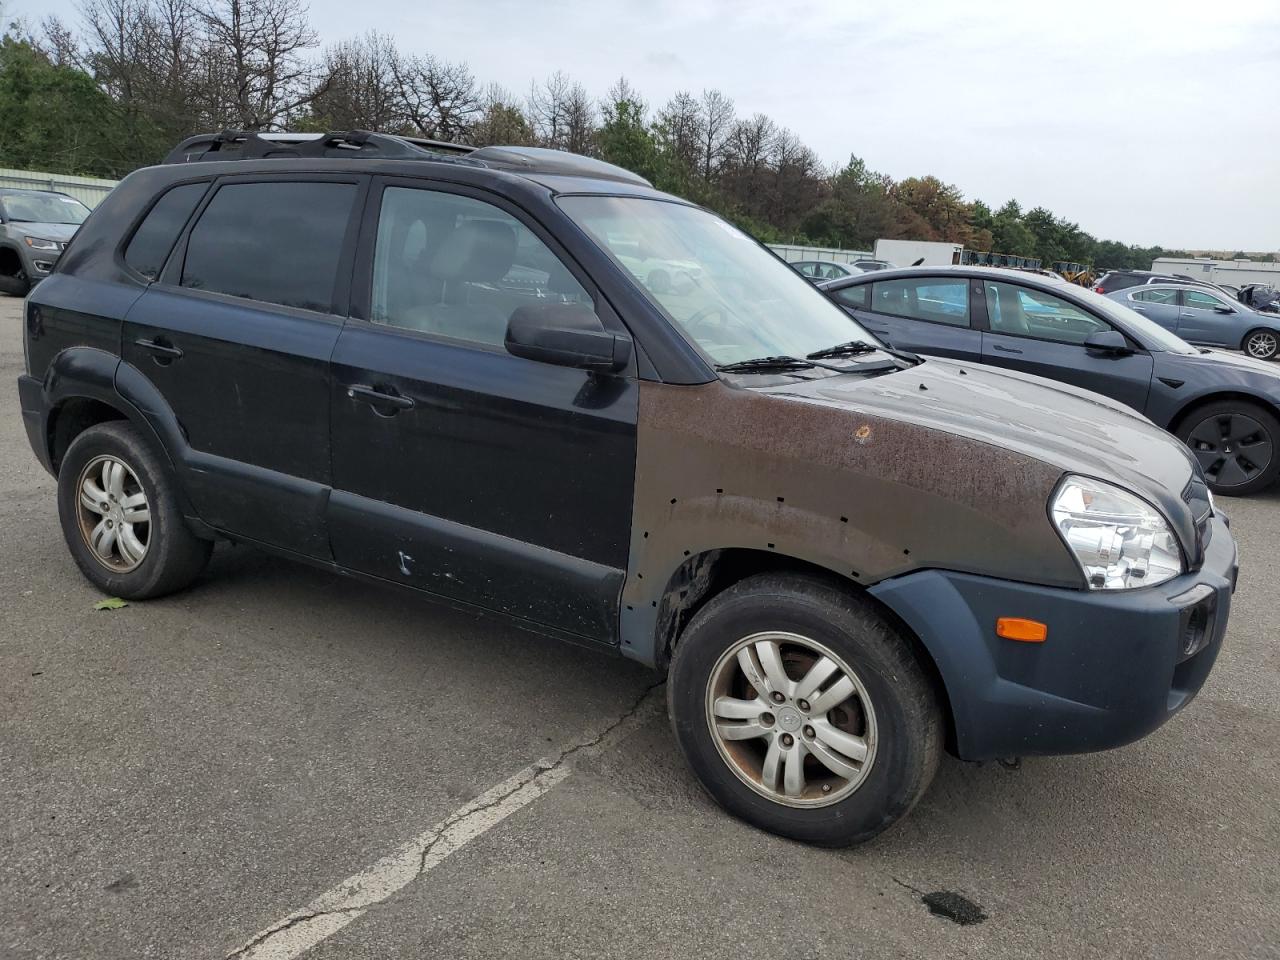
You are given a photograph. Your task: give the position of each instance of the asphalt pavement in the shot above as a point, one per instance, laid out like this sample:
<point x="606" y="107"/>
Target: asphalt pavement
<point x="280" y="762"/>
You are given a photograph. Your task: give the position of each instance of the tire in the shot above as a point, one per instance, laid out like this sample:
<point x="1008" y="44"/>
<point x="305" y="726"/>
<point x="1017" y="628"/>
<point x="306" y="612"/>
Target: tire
<point x="172" y="556"/>
<point x="1261" y="344"/>
<point x="17" y="285"/>
<point x="1237" y="444"/>
<point x="895" y="711"/>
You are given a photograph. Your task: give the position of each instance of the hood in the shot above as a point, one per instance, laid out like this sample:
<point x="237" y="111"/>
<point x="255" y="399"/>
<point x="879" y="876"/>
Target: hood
<point x="1073" y="430"/>
<point x="1241" y="361"/>
<point x="45" y="231"/>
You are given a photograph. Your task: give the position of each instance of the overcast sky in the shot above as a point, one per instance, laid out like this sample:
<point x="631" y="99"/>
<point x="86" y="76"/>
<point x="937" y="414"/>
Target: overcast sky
<point x="1147" y="122"/>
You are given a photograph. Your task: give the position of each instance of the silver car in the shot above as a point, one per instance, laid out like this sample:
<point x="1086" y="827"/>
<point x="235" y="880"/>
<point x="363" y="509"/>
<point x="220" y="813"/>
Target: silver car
<point x="1203" y="316"/>
<point x="35" y="227"/>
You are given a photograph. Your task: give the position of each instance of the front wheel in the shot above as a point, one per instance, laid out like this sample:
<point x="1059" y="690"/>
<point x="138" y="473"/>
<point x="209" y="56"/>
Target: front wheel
<point x="1261" y="344"/>
<point x="1235" y="443"/>
<point x="803" y="711"/>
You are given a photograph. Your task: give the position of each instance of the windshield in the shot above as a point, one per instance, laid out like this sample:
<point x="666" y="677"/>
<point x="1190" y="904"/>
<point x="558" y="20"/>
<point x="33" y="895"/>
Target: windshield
<point x="1157" y="337"/>
<point x="724" y="291"/>
<point x="43" y="208"/>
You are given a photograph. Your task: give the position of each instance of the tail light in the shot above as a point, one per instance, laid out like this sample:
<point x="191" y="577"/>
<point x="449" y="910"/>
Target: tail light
<point x="1098" y="289"/>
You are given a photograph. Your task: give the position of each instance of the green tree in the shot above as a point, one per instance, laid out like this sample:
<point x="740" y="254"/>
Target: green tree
<point x="52" y="118"/>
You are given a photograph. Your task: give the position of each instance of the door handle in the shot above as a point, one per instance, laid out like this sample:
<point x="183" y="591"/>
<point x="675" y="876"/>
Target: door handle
<point x="1139" y="309"/>
<point x="160" y="347"/>
<point x="1003" y="349"/>
<point x="379" y="398"/>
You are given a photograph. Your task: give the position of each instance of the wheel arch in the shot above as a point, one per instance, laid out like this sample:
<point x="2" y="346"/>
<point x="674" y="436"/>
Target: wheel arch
<point x="84" y="386"/>
<point x="705" y="575"/>
<point x="1203" y="400"/>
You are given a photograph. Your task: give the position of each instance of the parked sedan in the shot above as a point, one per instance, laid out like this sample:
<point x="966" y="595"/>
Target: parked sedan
<point x="817" y="270"/>
<point x="1206" y="317"/>
<point x="1226" y="407"/>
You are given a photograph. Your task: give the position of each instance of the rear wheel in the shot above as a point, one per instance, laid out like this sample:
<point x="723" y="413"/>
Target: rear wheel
<point x="802" y="711"/>
<point x="1235" y="444"/>
<point x="118" y="505"/>
<point x="1261" y="344"/>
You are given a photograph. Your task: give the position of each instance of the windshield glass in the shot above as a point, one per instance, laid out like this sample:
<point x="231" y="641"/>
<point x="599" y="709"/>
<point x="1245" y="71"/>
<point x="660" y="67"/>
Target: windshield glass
<point x="43" y="208"/>
<point x="727" y="294"/>
<point x="1157" y="337"/>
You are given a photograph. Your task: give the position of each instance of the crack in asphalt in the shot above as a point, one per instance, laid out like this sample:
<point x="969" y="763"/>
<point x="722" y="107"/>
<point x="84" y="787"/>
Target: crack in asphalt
<point x="539" y="770"/>
<point x="543" y="766"/>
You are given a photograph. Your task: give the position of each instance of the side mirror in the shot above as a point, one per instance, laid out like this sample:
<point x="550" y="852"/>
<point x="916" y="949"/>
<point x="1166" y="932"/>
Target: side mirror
<point x="1222" y="308"/>
<point x="1110" y="342"/>
<point x="567" y="336"/>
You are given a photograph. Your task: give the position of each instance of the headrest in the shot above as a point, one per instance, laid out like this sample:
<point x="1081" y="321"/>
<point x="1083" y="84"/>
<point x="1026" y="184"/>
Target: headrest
<point x="477" y="251"/>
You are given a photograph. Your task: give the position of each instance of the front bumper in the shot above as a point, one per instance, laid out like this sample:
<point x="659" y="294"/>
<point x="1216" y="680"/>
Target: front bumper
<point x="1115" y="665"/>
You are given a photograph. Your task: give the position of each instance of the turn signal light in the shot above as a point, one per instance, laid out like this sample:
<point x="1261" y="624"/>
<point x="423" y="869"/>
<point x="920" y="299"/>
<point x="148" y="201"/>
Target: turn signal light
<point x="1016" y="628"/>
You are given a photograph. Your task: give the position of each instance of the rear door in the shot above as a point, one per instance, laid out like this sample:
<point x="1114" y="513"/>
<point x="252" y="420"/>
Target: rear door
<point x="1036" y="332"/>
<point x="1207" y="318"/>
<point x="1158" y="304"/>
<point x="459" y="468"/>
<point x="929" y="315"/>
<point x="236" y="336"/>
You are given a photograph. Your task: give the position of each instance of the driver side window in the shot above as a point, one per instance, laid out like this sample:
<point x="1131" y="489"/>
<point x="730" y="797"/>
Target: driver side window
<point x="1025" y="312"/>
<point x="1196" y="300"/>
<point x="459" y="267"/>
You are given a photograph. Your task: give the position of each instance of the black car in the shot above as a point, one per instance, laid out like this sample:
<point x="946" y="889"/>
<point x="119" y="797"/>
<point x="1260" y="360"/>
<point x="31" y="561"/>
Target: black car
<point x="471" y="374"/>
<point x="1226" y="407"/>
<point x="1114" y="280"/>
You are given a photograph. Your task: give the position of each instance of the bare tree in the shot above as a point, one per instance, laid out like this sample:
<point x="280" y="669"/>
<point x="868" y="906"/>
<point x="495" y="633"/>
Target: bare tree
<point x="256" y="74"/>
<point x="439" y="99"/>
<point x="680" y="130"/>
<point x="551" y="108"/>
<point x="717" y="124"/>
<point x="358" y="87"/>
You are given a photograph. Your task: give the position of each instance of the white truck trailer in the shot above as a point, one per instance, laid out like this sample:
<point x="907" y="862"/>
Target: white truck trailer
<point x="905" y="253"/>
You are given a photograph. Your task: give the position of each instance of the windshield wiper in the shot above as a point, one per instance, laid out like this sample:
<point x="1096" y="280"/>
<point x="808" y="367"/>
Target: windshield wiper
<point x="766" y="365"/>
<point x="856" y="347"/>
<point x="851" y="349"/>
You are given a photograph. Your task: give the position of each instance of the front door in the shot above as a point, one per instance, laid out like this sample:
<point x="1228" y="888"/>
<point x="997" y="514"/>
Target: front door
<point x="458" y="468"/>
<point x="236" y="337"/>
<point x="1207" y="318"/>
<point x="1035" y="332"/>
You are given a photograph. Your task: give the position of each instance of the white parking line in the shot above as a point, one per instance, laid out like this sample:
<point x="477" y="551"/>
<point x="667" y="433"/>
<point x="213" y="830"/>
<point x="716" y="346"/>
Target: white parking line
<point x="348" y="900"/>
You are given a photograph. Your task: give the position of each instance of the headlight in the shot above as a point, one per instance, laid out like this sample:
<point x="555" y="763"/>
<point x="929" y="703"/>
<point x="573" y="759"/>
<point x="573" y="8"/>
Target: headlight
<point x="39" y="243"/>
<point x="1119" y="541"/>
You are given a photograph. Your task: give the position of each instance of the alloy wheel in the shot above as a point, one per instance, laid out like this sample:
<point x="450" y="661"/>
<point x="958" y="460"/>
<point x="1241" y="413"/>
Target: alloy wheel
<point x="1232" y="448"/>
<point x="1262" y="345"/>
<point x="113" y="514"/>
<point x="791" y="719"/>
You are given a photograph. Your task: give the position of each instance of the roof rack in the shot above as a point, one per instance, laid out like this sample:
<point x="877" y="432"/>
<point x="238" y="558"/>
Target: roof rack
<point x="256" y="145"/>
<point x="364" y="144"/>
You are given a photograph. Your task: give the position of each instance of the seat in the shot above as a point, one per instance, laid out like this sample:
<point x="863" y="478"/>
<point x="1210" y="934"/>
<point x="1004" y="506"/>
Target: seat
<point x="1008" y="317"/>
<point x="478" y="251"/>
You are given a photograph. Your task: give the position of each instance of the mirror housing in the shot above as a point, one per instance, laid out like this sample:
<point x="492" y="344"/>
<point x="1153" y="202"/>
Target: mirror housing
<point x="1111" y="342"/>
<point x="567" y="336"/>
<point x="1222" y="308"/>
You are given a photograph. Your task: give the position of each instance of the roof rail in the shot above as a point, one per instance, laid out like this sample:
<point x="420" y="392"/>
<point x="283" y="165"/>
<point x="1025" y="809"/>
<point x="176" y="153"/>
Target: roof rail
<point x="256" y="145"/>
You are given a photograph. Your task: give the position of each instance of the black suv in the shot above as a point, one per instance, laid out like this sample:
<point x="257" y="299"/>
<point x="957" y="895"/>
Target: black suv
<point x="528" y="383"/>
<point x="1114" y="280"/>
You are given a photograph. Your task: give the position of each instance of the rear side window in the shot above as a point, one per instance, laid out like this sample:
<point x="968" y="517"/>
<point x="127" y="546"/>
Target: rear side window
<point x="156" y="235"/>
<point x="1155" y="296"/>
<point x="853" y="296"/>
<point x="273" y="242"/>
<point x="931" y="298"/>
